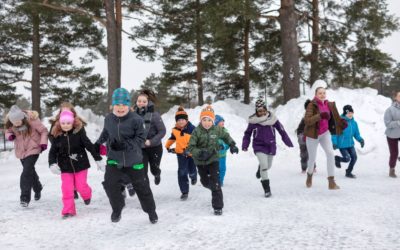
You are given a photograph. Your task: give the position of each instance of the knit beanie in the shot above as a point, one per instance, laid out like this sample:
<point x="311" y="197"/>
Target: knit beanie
<point x="121" y="96"/>
<point x="67" y="117"/>
<point x="207" y="112"/>
<point x="218" y="119"/>
<point x="16" y="114"/>
<point x="260" y="103"/>
<point x="347" y="109"/>
<point x="181" y="114"/>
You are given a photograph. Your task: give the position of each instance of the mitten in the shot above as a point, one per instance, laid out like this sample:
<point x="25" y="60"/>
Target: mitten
<point x="43" y="147"/>
<point x="234" y="149"/>
<point x="55" y="169"/>
<point x="362" y="143"/>
<point x="171" y="150"/>
<point x="11" y="138"/>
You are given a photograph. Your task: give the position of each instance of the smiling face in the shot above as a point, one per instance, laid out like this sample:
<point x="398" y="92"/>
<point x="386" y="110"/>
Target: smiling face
<point x="142" y="101"/>
<point x="207" y="123"/>
<point x="320" y="93"/>
<point x="66" y="126"/>
<point x="120" y="110"/>
<point x="17" y="123"/>
<point x="261" y="112"/>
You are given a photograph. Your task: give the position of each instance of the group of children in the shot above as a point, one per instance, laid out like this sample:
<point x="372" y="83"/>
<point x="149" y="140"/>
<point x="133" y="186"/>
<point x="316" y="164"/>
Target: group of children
<point x="133" y="140"/>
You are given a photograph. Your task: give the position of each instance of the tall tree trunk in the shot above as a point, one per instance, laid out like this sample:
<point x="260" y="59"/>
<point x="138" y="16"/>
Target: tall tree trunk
<point x="199" y="63"/>
<point x="118" y="17"/>
<point x="36" y="62"/>
<point x="314" y="59"/>
<point x="112" y="51"/>
<point x="246" y="55"/>
<point x="290" y="51"/>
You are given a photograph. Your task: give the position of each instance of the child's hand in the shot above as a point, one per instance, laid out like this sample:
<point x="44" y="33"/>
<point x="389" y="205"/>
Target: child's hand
<point x="55" y="169"/>
<point x="362" y="143"/>
<point x="11" y="137"/>
<point x="147" y="143"/>
<point x="43" y="147"/>
<point x="234" y="149"/>
<point x="171" y="150"/>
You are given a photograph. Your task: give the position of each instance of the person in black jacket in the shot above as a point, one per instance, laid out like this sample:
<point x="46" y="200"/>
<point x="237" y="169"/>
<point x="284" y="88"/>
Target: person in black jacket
<point x="68" y="157"/>
<point x="154" y="131"/>
<point x="123" y="134"/>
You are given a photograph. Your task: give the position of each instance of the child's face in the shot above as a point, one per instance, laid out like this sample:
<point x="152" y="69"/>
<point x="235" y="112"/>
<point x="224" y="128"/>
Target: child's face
<point x="181" y="123"/>
<point x="206" y="122"/>
<point x="66" y="126"/>
<point x="120" y="110"/>
<point x="321" y="94"/>
<point x="261" y="112"/>
<point x="221" y="124"/>
<point x="142" y="101"/>
<point x="17" y="123"/>
<point x="397" y="98"/>
<point x="350" y="115"/>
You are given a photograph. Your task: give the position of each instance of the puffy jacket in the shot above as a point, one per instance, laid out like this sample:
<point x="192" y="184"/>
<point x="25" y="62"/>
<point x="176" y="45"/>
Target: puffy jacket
<point x="392" y="121"/>
<point x="68" y="151"/>
<point x="129" y="132"/>
<point x="207" y="140"/>
<point x="154" y="126"/>
<point x="345" y="140"/>
<point x="181" y="137"/>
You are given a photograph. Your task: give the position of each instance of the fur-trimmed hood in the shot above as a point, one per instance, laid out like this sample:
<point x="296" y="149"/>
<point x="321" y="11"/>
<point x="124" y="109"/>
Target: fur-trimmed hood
<point x="267" y="120"/>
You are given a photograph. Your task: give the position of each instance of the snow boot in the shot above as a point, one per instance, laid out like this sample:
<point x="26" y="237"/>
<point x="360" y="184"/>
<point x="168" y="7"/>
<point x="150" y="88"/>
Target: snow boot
<point x="76" y="196"/>
<point x="153" y="217"/>
<point x="87" y="202"/>
<point x="115" y="216"/>
<point x="217" y="211"/>
<point x="309" y="180"/>
<point x="131" y="190"/>
<point x="258" y="174"/>
<point x="350" y="175"/>
<point x="184" y="196"/>
<point x="24" y="203"/>
<point x="66" y="216"/>
<point x="332" y="184"/>
<point x="193" y="181"/>
<point x="392" y="173"/>
<point x="337" y="162"/>
<point x="267" y="189"/>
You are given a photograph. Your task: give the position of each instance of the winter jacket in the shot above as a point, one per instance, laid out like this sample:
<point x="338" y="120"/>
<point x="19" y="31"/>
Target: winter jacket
<point x="312" y="120"/>
<point x="127" y="131"/>
<point x="203" y="140"/>
<point x="300" y="133"/>
<point x="54" y="127"/>
<point x="29" y="144"/>
<point x="154" y="125"/>
<point x="345" y="140"/>
<point x="68" y="151"/>
<point x="181" y="137"/>
<point x="263" y="130"/>
<point x="392" y="121"/>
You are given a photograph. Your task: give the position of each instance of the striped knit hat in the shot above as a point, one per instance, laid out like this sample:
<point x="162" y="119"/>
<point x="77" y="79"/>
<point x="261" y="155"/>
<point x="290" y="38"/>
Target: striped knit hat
<point x="181" y="114"/>
<point x="208" y="112"/>
<point x="121" y="96"/>
<point x="260" y="104"/>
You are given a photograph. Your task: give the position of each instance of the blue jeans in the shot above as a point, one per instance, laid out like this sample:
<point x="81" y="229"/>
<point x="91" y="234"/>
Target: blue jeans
<point x="186" y="167"/>
<point x="348" y="155"/>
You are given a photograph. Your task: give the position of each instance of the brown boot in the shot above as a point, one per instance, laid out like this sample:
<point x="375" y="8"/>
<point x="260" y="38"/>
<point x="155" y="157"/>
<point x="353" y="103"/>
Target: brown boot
<point x="309" y="180"/>
<point x="392" y="173"/>
<point x="332" y="184"/>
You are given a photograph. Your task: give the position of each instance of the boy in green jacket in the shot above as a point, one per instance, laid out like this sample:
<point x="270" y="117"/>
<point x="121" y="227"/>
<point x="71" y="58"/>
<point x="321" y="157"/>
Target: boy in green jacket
<point x="204" y="146"/>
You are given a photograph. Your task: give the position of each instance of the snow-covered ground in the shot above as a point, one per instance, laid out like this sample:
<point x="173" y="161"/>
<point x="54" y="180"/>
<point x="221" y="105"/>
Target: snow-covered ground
<point x="363" y="214"/>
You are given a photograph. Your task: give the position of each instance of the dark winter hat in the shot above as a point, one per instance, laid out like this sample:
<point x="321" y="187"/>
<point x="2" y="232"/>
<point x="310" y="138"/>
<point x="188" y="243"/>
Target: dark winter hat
<point x="347" y="109"/>
<point x="181" y="114"/>
<point x="121" y="96"/>
<point x="218" y="119"/>
<point x="15" y="114"/>
<point x="260" y="104"/>
<point x="306" y="103"/>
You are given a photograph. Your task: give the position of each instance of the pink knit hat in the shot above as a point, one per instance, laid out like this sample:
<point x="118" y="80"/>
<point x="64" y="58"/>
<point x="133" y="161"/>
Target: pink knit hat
<point x="67" y="116"/>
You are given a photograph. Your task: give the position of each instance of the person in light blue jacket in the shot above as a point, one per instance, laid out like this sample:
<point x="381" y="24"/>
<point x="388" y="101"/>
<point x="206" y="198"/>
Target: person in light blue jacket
<point x="219" y="121"/>
<point x="345" y="142"/>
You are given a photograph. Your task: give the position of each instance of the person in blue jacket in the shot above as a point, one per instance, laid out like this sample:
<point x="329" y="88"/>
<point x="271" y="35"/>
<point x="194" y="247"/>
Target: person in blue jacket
<point x="345" y="142"/>
<point x="223" y="148"/>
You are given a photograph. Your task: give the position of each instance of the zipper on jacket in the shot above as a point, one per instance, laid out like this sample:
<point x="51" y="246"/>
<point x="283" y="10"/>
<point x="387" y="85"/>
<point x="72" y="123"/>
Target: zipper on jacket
<point x="119" y="138"/>
<point x="69" y="153"/>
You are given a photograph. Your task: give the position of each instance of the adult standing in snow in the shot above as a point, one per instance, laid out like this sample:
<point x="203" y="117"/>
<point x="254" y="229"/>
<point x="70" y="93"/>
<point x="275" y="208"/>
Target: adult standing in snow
<point x="262" y="125"/>
<point x="154" y="131"/>
<point x="392" y="122"/>
<point x="321" y="120"/>
<point x="30" y="139"/>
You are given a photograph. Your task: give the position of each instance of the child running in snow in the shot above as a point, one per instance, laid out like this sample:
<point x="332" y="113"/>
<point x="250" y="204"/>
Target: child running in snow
<point x="124" y="135"/>
<point x="30" y="139"/>
<point x="181" y="135"/>
<point x="68" y="157"/>
<point x="345" y="142"/>
<point x="223" y="148"/>
<point x="262" y="126"/>
<point x="203" y="146"/>
<point x="302" y="143"/>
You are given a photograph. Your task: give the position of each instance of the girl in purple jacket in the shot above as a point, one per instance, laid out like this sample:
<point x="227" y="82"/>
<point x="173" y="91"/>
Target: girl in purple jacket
<point x="262" y="125"/>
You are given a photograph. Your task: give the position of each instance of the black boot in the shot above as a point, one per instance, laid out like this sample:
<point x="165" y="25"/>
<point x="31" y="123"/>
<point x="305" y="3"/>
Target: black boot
<point x="258" y="175"/>
<point x="76" y="196"/>
<point x="116" y="216"/>
<point x="337" y="162"/>
<point x="267" y="189"/>
<point x="38" y="194"/>
<point x="153" y="217"/>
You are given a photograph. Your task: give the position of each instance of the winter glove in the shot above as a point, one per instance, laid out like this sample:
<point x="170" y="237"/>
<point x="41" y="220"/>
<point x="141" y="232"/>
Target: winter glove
<point x="204" y="155"/>
<point x="344" y="124"/>
<point x="11" y="138"/>
<point x="55" y="169"/>
<point x="97" y="147"/>
<point x="102" y="150"/>
<point x="362" y="143"/>
<point x="186" y="153"/>
<point x="171" y="150"/>
<point x="334" y="146"/>
<point x="325" y="115"/>
<point x="234" y="149"/>
<point x="43" y="147"/>
<point x="101" y="165"/>
<point x="117" y="146"/>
